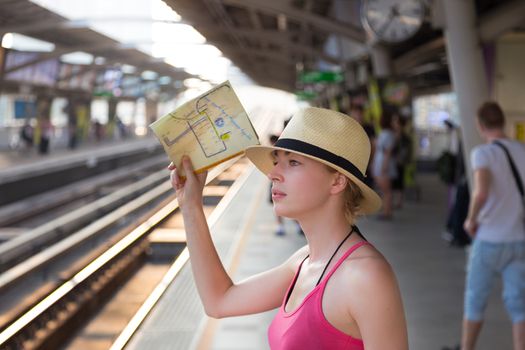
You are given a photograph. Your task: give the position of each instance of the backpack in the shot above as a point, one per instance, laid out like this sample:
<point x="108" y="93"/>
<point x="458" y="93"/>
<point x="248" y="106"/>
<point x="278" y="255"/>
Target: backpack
<point x="446" y="166"/>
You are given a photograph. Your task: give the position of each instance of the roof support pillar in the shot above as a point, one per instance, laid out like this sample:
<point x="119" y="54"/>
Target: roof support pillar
<point x="466" y="68"/>
<point x="381" y="62"/>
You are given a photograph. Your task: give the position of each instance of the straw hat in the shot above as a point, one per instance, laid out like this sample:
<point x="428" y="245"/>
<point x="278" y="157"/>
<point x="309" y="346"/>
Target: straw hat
<point x="329" y="137"/>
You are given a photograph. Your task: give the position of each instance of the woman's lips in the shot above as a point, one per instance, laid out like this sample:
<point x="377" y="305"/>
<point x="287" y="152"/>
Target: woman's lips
<point x="278" y="194"/>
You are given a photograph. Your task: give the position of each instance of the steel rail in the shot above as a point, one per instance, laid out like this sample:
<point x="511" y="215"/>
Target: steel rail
<point x="146" y="308"/>
<point x="36" y="238"/>
<point x="37" y="204"/>
<point x="97" y="266"/>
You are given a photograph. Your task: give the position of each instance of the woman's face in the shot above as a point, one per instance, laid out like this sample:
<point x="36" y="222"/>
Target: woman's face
<point x="299" y="184"/>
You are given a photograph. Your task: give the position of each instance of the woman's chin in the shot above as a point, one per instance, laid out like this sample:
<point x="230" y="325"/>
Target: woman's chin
<point x="283" y="212"/>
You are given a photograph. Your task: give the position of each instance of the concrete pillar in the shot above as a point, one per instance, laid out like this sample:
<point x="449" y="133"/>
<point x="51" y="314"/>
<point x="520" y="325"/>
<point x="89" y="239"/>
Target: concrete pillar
<point x="350" y="76"/>
<point x="112" y="110"/>
<point x="466" y="69"/>
<point x="362" y="73"/>
<point x="381" y="62"/>
<point x="151" y="110"/>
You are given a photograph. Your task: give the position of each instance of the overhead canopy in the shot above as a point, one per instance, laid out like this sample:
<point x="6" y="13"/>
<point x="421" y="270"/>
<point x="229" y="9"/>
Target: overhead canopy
<point x="25" y="17"/>
<point x="271" y="40"/>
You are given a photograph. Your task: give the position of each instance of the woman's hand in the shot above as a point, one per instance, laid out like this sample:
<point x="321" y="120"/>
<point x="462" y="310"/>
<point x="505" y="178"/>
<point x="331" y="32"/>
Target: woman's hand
<point x="189" y="190"/>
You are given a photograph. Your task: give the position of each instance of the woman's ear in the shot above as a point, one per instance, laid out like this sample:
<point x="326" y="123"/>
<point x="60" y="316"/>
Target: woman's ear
<point x="339" y="184"/>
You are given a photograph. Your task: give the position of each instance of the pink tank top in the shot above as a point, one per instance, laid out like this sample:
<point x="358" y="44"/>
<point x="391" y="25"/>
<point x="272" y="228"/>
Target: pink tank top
<point x="306" y="327"/>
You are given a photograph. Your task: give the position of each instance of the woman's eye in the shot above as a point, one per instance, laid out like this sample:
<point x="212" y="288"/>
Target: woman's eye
<point x="274" y="163"/>
<point x="294" y="162"/>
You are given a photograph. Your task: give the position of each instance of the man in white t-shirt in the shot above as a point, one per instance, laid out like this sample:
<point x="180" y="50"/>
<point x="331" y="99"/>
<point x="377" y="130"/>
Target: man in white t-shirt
<point x="496" y="221"/>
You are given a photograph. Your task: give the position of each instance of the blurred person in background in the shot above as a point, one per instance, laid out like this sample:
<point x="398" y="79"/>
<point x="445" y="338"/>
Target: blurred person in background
<point x="27" y="135"/>
<point x="98" y="130"/>
<point x="452" y="172"/>
<point x="72" y="124"/>
<point x="496" y="222"/>
<point x="46" y="133"/>
<point x="402" y="153"/>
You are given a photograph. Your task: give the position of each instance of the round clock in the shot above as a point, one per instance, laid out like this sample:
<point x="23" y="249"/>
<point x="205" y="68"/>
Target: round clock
<point x="393" y="21"/>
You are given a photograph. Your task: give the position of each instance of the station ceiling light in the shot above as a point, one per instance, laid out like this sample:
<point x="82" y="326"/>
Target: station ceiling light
<point x="21" y="42"/>
<point x="165" y="80"/>
<point x="149" y="75"/>
<point x="152" y="27"/>
<point x="78" y="57"/>
<point x="99" y="60"/>
<point x="128" y="69"/>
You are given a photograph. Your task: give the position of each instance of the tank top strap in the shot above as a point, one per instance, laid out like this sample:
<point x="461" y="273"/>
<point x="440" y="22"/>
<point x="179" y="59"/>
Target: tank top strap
<point x="292" y="285"/>
<point x="342" y="259"/>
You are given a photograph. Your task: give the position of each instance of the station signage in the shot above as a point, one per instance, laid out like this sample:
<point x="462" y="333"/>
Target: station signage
<point x="320" y="77"/>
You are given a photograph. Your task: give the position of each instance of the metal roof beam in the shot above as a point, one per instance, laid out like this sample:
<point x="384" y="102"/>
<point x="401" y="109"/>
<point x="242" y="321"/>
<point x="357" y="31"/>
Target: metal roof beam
<point x="500" y="20"/>
<point x="419" y="54"/>
<point x="59" y="51"/>
<point x="283" y="40"/>
<point x="280" y="7"/>
<point x="84" y="70"/>
<point x="31" y="27"/>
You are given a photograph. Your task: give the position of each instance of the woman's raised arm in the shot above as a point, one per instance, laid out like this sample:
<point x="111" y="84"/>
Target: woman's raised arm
<point x="219" y="295"/>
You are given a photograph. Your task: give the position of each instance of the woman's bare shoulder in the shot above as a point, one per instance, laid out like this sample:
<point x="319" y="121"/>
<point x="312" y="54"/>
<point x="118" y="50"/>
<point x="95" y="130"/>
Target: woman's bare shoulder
<point x="373" y="299"/>
<point x="296" y="258"/>
<point x="366" y="269"/>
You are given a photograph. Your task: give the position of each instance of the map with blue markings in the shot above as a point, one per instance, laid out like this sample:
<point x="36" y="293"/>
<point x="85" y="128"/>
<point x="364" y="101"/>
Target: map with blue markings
<point x="210" y="129"/>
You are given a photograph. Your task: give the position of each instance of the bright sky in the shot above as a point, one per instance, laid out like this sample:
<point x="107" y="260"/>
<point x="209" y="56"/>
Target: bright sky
<point x="153" y="27"/>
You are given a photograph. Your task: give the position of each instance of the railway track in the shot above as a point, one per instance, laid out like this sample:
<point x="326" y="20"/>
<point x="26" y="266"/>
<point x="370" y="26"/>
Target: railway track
<point x="50" y="321"/>
<point x="32" y="211"/>
<point x="56" y="310"/>
<point x="74" y="220"/>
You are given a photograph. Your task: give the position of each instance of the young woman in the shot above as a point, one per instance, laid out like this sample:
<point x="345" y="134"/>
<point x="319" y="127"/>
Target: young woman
<point x="337" y="292"/>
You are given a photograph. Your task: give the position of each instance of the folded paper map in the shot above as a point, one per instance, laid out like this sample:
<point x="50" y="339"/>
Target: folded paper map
<point x="210" y="129"/>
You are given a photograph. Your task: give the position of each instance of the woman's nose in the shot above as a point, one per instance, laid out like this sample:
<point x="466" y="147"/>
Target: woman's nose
<point x="275" y="174"/>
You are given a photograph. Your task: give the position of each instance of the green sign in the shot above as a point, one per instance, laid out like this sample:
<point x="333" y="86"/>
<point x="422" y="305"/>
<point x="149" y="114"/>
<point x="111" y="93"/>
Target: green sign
<point x="321" y="77"/>
<point x="305" y="95"/>
<point x="102" y="93"/>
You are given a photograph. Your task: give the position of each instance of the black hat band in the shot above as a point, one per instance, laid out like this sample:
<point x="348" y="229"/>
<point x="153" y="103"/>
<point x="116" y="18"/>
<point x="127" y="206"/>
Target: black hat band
<point x="318" y="152"/>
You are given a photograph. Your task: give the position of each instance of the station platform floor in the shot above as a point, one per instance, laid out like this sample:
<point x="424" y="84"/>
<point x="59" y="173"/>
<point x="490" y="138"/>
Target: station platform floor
<point x="430" y="273"/>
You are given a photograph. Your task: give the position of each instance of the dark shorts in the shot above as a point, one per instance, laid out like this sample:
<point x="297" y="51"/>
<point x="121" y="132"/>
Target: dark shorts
<point x="399" y="182"/>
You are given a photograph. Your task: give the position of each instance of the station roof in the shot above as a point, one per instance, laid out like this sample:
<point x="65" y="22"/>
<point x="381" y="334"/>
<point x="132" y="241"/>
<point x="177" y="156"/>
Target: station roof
<point x="270" y="39"/>
<point x="28" y="18"/>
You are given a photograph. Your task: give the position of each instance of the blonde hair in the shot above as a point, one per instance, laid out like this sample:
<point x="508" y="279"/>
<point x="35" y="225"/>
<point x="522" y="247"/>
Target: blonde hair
<point x="352" y="197"/>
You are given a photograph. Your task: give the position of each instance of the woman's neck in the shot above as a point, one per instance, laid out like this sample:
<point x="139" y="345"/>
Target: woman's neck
<point x="324" y="231"/>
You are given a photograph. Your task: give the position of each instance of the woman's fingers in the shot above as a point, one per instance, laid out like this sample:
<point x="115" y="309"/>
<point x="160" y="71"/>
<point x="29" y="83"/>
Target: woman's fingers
<point x="177" y="178"/>
<point x="188" y="167"/>
<point x="188" y="170"/>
